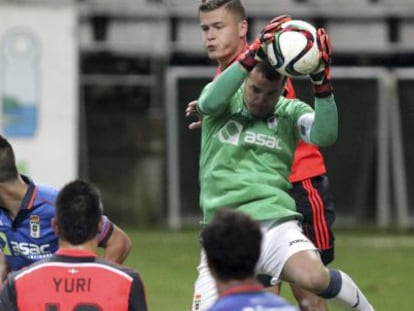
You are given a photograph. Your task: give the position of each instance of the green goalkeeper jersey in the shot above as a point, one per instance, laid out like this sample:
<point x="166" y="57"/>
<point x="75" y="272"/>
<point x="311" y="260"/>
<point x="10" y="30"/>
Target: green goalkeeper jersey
<point x="245" y="162"/>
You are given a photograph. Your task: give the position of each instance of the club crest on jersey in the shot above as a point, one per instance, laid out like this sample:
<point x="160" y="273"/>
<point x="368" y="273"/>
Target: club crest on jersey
<point x="35" y="226"/>
<point x="271" y="122"/>
<point x="197" y="301"/>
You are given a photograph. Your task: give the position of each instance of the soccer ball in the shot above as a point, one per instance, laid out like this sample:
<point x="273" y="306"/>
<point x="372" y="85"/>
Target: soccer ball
<point x="294" y="52"/>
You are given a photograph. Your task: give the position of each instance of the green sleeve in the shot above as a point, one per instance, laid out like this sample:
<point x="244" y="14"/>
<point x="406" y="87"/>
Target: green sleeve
<point x="216" y="96"/>
<point x="324" y="131"/>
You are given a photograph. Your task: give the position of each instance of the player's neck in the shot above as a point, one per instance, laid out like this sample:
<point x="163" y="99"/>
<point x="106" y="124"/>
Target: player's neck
<point x="227" y="61"/>
<point x="224" y="63"/>
<point x="223" y="287"/>
<point x="12" y="194"/>
<point x="91" y="245"/>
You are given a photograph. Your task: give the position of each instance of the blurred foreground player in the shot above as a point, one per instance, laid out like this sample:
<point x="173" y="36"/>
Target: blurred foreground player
<point x="232" y="264"/>
<point x="74" y="278"/>
<point x="26" y="211"/>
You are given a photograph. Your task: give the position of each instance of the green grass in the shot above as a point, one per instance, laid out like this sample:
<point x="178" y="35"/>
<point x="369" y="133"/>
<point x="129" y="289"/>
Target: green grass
<point x="381" y="264"/>
<point x="167" y="262"/>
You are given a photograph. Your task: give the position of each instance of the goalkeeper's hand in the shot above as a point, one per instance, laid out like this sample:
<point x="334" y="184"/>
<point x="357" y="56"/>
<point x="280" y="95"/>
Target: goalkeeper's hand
<point x="256" y="51"/>
<point x="321" y="77"/>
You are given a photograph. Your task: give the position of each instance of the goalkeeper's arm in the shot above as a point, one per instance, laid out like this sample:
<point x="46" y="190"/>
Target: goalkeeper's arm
<point x="216" y="96"/>
<point x="321" y="127"/>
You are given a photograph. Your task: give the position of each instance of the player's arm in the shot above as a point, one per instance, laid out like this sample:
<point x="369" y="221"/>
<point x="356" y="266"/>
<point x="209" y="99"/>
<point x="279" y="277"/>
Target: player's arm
<point x="137" y="296"/>
<point x="118" y="246"/>
<point x="8" y="300"/>
<point x="4" y="268"/>
<point x="321" y="128"/>
<point x="216" y="96"/>
<point x="115" y="242"/>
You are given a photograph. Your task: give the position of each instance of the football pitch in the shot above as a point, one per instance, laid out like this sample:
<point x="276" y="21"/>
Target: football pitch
<point x="382" y="265"/>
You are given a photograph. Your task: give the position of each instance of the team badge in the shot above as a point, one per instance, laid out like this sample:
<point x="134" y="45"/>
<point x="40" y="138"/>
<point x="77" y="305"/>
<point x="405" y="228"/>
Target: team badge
<point x="271" y="122"/>
<point x="35" y="226"/>
<point x="197" y="301"/>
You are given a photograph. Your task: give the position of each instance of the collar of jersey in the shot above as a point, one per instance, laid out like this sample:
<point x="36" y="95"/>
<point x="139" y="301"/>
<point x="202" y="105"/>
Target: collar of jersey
<point x="245" y="288"/>
<point x="71" y="252"/>
<point x="27" y="202"/>
<point x="30" y="195"/>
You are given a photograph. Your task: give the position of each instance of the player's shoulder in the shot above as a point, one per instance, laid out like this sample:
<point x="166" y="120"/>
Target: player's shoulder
<point x="279" y="303"/>
<point x="266" y="300"/>
<point x="118" y="267"/>
<point x="39" y="198"/>
<point x="47" y="191"/>
<point x="45" y="195"/>
<point x="25" y="271"/>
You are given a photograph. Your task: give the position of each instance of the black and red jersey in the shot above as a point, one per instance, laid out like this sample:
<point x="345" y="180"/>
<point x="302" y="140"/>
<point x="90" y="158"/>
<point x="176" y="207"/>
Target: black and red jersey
<point x="73" y="280"/>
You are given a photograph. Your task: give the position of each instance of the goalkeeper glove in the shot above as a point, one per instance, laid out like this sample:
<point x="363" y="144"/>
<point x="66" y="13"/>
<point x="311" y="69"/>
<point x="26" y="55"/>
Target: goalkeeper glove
<point x="256" y="52"/>
<point x="321" y="77"/>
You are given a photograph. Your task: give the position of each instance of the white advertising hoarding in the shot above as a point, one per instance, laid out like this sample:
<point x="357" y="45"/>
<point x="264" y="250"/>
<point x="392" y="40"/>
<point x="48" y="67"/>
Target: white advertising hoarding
<point x="39" y="89"/>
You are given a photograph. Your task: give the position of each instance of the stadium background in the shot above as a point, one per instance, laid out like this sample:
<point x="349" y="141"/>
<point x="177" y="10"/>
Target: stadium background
<point x="123" y="71"/>
<point x="142" y="61"/>
<point x="133" y="65"/>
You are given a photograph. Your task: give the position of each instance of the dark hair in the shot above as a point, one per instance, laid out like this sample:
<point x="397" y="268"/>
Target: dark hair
<point x="268" y="71"/>
<point x="236" y="7"/>
<point x="78" y="212"/>
<point x="8" y="168"/>
<point x="232" y="242"/>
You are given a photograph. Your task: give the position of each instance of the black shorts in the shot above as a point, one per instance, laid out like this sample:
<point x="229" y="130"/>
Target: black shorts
<point x="314" y="201"/>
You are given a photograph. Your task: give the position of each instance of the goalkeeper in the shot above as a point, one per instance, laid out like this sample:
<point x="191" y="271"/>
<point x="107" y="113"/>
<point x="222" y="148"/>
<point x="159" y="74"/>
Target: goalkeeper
<point x="249" y="135"/>
<point x="224" y="27"/>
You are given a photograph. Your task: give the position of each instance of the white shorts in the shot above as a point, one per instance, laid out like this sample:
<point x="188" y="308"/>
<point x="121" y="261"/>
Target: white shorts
<point x="280" y="242"/>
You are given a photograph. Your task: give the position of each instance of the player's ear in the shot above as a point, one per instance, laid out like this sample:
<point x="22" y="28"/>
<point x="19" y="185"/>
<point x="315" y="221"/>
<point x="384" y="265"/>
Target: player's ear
<point x="100" y="224"/>
<point x="55" y="226"/>
<point x="243" y="27"/>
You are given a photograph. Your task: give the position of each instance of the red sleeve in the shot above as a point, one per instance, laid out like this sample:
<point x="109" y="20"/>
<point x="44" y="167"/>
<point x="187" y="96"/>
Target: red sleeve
<point x="308" y="161"/>
<point x="289" y="91"/>
<point x="106" y="231"/>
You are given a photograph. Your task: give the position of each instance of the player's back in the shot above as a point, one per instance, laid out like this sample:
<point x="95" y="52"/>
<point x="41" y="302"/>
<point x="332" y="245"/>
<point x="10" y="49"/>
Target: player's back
<point x="67" y="282"/>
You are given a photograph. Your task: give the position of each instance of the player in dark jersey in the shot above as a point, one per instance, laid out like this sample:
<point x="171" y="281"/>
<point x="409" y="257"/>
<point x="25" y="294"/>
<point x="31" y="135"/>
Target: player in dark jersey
<point x="74" y="278"/>
<point x="224" y="28"/>
<point x="26" y="210"/>
<point x="233" y="264"/>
